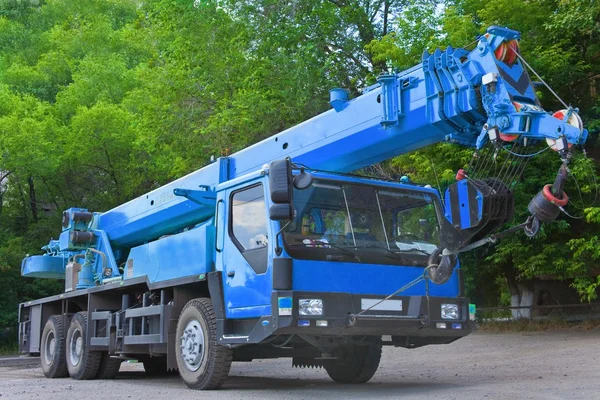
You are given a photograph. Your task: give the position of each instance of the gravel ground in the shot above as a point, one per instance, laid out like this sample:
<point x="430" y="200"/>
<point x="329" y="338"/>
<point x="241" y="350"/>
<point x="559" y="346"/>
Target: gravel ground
<point x="549" y="365"/>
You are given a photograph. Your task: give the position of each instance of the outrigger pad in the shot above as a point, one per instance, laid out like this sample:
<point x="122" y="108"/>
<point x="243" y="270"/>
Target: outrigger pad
<point x="474" y="208"/>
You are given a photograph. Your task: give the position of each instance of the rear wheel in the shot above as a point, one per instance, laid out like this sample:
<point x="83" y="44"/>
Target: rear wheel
<point x="202" y="363"/>
<point x="52" y="349"/>
<point x="109" y="367"/>
<point x="81" y="363"/>
<point x="356" y="363"/>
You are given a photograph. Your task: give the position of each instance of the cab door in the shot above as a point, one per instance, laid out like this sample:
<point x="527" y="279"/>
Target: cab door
<point x="244" y="257"/>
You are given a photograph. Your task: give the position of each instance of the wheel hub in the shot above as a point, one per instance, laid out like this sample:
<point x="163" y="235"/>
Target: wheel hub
<point x="78" y="346"/>
<point x="75" y="347"/>
<point x="192" y="345"/>
<point x="50" y="348"/>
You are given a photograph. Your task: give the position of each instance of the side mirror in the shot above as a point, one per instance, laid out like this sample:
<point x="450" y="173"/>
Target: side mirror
<point x="280" y="180"/>
<point x="303" y="180"/>
<point x="281" y="212"/>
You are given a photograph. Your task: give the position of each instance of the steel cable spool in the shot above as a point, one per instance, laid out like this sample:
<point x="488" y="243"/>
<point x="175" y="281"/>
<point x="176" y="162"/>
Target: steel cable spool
<point x="507" y="51"/>
<point x="573" y="119"/>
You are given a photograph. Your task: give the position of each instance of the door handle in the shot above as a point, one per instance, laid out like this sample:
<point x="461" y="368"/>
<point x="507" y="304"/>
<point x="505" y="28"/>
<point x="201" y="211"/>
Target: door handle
<point x="231" y="274"/>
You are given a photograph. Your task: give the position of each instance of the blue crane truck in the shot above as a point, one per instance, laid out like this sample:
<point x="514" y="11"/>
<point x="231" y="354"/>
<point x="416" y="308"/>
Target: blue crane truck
<point x="278" y="251"/>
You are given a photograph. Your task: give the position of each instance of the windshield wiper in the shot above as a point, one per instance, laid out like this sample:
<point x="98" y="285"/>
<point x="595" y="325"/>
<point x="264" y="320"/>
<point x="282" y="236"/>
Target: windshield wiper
<point x="332" y="246"/>
<point x="411" y="250"/>
<point x="391" y="253"/>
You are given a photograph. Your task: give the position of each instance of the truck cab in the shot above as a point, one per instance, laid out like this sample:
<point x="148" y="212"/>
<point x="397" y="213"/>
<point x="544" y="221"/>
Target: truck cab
<point x="348" y="243"/>
<point x="320" y="281"/>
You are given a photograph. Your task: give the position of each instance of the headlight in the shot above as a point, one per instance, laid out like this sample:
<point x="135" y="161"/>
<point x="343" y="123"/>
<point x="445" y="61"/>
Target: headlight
<point x="450" y="311"/>
<point x="310" y="307"/>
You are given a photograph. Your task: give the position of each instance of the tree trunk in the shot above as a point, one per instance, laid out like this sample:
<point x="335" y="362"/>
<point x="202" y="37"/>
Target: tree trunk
<point x="365" y="27"/>
<point x="386" y="11"/>
<point x="32" y="200"/>
<point x="3" y="186"/>
<point x="525" y="300"/>
<point x="113" y="175"/>
<point x="521" y="295"/>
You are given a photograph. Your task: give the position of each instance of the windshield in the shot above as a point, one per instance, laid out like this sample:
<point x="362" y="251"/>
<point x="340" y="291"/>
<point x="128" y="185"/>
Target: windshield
<point x="338" y="221"/>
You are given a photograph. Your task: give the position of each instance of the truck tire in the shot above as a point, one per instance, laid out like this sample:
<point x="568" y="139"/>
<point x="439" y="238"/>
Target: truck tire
<point x="81" y="363"/>
<point x="52" y="348"/>
<point x="203" y="364"/>
<point x="356" y="363"/>
<point x="109" y="367"/>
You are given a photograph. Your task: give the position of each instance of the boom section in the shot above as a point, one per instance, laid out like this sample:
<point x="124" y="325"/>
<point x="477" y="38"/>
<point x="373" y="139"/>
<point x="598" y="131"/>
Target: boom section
<point x="453" y="95"/>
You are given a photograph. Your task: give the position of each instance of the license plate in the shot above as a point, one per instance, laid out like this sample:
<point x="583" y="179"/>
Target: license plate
<point x="387" y="305"/>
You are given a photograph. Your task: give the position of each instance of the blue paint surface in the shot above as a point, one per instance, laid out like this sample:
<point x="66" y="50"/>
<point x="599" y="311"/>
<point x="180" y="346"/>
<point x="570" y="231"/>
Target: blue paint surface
<point x="185" y="254"/>
<point x="463" y="200"/>
<point x="464" y="205"/>
<point x="247" y="294"/>
<point x="45" y="266"/>
<point x="344" y="277"/>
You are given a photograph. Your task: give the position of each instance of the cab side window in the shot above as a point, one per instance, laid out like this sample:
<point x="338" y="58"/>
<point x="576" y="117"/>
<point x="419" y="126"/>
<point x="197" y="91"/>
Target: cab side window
<point x="249" y="218"/>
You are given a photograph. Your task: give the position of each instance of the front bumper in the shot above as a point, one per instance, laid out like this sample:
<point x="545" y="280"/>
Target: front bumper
<point x="405" y="316"/>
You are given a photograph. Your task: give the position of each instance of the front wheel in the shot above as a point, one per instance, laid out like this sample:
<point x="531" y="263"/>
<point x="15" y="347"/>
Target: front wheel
<point x="356" y="363"/>
<point x="203" y="364"/>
